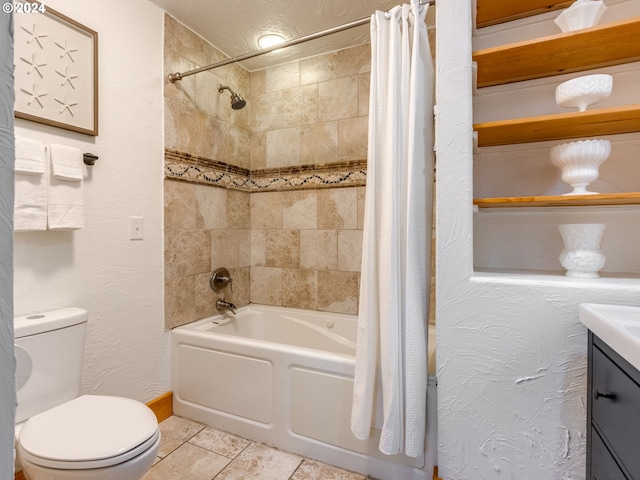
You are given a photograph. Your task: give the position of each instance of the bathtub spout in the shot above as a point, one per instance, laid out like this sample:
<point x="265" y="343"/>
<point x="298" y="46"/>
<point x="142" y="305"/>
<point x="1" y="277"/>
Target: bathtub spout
<point x="223" y="305"/>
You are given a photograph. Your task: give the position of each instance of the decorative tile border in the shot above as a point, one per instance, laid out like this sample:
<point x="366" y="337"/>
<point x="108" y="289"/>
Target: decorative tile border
<point x="194" y="169"/>
<point x="191" y="168"/>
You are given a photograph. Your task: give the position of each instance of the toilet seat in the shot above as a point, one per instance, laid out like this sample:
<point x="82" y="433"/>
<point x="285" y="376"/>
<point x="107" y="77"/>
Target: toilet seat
<point x="88" y="432"/>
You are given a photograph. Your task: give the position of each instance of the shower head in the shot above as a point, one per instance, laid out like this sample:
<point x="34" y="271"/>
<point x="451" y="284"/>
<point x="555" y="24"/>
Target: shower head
<point x="237" y="102"/>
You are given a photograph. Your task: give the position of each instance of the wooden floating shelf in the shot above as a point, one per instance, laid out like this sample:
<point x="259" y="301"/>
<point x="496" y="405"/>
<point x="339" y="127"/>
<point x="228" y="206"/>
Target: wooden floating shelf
<point x="632" y="198"/>
<point x="591" y="123"/>
<point x="500" y="11"/>
<point x="600" y="46"/>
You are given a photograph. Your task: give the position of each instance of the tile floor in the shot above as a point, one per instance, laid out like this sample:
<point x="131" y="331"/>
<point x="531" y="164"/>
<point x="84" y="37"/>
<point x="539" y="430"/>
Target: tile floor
<point x="193" y="451"/>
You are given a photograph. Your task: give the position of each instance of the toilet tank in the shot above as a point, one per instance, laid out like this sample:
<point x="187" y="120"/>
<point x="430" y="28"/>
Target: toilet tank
<point x="49" y="351"/>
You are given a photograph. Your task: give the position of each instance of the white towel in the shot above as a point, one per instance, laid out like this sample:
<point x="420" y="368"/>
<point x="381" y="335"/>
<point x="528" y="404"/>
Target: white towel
<point x="30" y="157"/>
<point x="66" y="162"/>
<point x="66" y="196"/>
<point x="30" y="204"/>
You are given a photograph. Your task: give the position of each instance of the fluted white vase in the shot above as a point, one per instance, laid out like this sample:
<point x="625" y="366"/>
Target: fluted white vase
<point x="581" y="256"/>
<point x="579" y="162"/>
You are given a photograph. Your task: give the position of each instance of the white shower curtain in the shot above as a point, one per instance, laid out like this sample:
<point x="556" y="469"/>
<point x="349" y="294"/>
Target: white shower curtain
<point x="391" y="355"/>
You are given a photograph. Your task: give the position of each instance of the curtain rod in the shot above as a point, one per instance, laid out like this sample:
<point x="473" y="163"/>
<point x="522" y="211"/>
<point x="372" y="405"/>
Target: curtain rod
<point x="174" y="77"/>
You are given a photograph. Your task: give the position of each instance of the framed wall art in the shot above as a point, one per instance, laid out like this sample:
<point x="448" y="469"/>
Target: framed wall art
<point x="56" y="70"/>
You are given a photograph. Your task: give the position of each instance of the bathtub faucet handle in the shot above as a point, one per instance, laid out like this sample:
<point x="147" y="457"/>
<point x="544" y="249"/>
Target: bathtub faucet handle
<point x="219" y="280"/>
<point x="223" y="305"/>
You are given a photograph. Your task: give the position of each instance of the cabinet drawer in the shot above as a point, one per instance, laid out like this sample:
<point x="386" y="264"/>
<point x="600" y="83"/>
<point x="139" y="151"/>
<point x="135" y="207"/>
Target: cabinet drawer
<point x="617" y="418"/>
<point x="603" y="465"/>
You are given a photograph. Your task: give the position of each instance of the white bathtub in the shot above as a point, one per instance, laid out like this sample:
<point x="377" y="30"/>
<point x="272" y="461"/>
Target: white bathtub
<point x="284" y="377"/>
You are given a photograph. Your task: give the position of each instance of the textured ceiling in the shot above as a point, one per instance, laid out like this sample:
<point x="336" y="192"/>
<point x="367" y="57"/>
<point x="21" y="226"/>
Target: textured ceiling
<point x="234" y="26"/>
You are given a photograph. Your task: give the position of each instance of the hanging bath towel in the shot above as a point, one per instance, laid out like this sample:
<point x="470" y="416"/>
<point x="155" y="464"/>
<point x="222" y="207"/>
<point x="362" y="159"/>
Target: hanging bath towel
<point x="66" y="193"/>
<point x="30" y="202"/>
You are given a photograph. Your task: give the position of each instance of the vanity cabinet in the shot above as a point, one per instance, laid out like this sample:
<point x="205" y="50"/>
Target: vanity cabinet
<point x="613" y="414"/>
<point x="604" y="45"/>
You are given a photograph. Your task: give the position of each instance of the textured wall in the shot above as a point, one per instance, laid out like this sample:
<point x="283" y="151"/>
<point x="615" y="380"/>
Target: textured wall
<point x="118" y="281"/>
<point x="511" y="353"/>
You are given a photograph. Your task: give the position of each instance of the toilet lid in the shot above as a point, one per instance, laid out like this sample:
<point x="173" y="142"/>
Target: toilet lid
<point x="89" y="432"/>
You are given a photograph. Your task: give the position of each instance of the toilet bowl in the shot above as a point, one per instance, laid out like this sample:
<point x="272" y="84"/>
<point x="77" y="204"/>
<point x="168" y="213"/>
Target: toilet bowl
<point x="61" y="435"/>
<point x="90" y="438"/>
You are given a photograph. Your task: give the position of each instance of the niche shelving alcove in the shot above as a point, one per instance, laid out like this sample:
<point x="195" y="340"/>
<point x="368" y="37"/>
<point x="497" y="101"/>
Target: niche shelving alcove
<point x="599" y="46"/>
<point x="506" y="66"/>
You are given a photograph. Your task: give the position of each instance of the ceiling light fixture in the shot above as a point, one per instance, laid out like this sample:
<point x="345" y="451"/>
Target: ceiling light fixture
<point x="266" y="41"/>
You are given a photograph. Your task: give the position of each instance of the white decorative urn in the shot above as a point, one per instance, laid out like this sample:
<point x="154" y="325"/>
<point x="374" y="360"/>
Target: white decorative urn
<point x="579" y="162"/>
<point x="581" y="256"/>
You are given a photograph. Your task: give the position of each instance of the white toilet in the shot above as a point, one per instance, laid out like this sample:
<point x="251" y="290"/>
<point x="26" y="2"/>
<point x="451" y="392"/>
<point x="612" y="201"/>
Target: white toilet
<point x="61" y="435"/>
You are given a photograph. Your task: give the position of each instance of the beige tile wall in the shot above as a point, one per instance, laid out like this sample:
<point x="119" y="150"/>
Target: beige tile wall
<point x="306" y="245"/>
<point x="297" y="248"/>
<point x="306" y="248"/>
<point x="311" y="111"/>
<point x="205" y="228"/>
<point x="198" y="119"/>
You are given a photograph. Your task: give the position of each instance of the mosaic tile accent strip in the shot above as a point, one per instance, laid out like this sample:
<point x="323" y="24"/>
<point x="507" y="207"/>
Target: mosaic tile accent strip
<point x="191" y="168"/>
<point x="308" y="177"/>
<point x="194" y="169"/>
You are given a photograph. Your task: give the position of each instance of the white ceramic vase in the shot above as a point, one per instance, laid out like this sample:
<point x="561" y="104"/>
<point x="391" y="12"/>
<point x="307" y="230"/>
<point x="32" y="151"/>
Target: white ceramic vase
<point x="579" y="162"/>
<point x="583" y="91"/>
<point x="581" y="14"/>
<point x="581" y="256"/>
